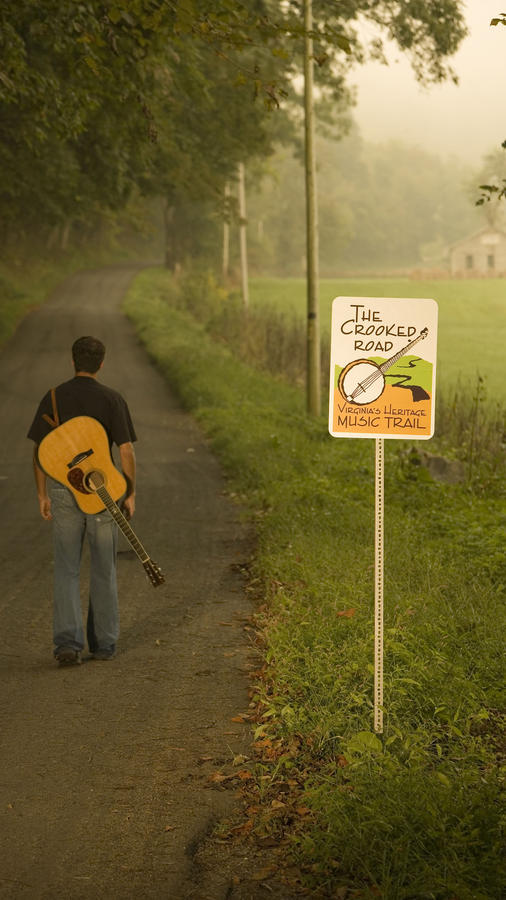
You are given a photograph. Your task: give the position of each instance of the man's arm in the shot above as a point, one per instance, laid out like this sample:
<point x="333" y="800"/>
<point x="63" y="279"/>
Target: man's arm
<point x="127" y="455"/>
<point x="40" y="482"/>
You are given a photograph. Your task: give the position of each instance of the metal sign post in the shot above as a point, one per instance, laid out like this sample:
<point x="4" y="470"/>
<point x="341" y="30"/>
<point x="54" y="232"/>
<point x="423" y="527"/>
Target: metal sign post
<point x="378" y="588"/>
<point x="382" y="385"/>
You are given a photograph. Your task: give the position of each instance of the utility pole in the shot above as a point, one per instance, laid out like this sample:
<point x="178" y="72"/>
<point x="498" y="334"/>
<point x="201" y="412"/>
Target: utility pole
<point x="242" y="235"/>
<point x="226" y="234"/>
<point x="313" y="318"/>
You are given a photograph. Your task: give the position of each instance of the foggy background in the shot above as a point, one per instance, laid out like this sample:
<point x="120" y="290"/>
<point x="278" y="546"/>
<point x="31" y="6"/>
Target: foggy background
<point x="400" y="186"/>
<point x="465" y="120"/>
<point x="398" y="172"/>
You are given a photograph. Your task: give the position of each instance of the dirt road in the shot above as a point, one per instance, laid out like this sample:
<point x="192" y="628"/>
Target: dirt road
<point x="104" y="768"/>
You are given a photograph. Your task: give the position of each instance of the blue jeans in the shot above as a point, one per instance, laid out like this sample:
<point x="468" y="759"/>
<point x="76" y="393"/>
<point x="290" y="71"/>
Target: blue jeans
<point x="70" y="525"/>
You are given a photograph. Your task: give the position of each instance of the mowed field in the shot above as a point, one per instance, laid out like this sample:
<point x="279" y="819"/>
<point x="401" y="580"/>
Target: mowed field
<point x="472" y="318"/>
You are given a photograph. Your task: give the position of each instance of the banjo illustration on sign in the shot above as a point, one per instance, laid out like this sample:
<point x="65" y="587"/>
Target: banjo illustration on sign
<point x="383" y="362"/>
<point x="363" y="381"/>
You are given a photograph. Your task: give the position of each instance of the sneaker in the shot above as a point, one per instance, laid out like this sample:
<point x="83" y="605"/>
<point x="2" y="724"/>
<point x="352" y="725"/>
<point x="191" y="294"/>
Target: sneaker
<point x="67" y="656"/>
<point x="104" y="654"/>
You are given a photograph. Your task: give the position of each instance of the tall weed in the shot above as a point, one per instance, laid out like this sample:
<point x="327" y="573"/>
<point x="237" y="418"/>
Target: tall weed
<point x="472" y="427"/>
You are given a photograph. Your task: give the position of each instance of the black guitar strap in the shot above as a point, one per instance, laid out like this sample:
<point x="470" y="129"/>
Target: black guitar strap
<point x="55" y="421"/>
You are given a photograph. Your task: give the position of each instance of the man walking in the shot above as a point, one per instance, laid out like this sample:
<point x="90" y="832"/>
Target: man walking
<point x="84" y="395"/>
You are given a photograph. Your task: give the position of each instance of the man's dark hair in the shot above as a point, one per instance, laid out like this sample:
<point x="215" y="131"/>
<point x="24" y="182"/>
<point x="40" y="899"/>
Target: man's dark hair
<point x="88" y="354"/>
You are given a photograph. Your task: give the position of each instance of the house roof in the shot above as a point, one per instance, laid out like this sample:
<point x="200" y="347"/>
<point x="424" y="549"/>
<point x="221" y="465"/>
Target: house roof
<point x="470" y="237"/>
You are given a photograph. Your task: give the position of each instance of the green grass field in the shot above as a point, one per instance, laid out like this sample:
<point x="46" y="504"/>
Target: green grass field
<point x="415" y="814"/>
<point x="472" y="318"/>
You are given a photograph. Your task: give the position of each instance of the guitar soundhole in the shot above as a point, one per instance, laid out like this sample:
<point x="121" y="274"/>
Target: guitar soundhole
<point x="94" y="480"/>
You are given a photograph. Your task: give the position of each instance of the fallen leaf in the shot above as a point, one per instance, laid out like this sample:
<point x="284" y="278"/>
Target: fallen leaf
<point x="302" y="810"/>
<point x="342" y="762"/>
<point x="265" y="742"/>
<point x="218" y="777"/>
<point x="260" y="730"/>
<point x="244" y="775"/>
<point x="347" y="613"/>
<point x="245" y="828"/>
<point x="278" y="804"/>
<point x="267" y="872"/>
<point x="239" y="759"/>
<point x="267" y="841"/>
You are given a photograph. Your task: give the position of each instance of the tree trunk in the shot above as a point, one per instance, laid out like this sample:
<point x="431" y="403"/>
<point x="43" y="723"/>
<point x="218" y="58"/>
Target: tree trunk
<point x="65" y="234"/>
<point x="52" y="237"/>
<point x="242" y="233"/>
<point x="168" y="221"/>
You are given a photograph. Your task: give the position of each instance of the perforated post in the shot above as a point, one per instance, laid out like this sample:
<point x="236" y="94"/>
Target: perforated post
<point x="378" y="589"/>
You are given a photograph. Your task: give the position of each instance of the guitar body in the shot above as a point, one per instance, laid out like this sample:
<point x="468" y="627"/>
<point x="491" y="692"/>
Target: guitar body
<point x="361" y="382"/>
<point x="72" y="451"/>
<point x="77" y="454"/>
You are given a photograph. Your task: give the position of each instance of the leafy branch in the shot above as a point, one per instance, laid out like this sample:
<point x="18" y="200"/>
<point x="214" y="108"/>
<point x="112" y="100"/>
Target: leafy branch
<point x="489" y="191"/>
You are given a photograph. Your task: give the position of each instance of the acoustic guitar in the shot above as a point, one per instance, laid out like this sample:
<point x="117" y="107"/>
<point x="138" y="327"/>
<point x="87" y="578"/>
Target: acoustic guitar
<point x="77" y="454"/>
<point x="363" y="381"/>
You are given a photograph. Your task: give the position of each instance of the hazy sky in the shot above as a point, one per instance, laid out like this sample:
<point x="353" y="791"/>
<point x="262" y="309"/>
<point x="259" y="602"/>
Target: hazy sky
<point x="467" y="120"/>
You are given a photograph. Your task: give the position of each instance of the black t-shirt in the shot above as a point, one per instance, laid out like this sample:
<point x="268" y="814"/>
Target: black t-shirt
<point x="84" y="396"/>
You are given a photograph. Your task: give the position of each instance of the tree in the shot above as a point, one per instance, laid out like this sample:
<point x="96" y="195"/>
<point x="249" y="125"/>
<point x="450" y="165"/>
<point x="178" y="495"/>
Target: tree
<point x="497" y="190"/>
<point x="69" y="73"/>
<point x="427" y="31"/>
<point x="99" y="99"/>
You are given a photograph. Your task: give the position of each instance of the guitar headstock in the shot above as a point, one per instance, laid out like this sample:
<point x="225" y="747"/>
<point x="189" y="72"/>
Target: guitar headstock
<point x="154" y="573"/>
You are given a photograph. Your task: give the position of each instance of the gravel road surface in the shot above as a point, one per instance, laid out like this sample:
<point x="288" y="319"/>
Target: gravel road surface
<point x="105" y="768"/>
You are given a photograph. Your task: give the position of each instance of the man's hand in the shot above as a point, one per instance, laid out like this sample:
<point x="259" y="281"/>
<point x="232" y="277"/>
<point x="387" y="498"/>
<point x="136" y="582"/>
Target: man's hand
<point x="128" y="506"/>
<point x="45" y="508"/>
<point x="127" y="455"/>
<point x="40" y="481"/>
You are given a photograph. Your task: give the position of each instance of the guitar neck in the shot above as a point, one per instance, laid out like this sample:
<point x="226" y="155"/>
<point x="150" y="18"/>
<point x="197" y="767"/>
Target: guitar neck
<point x="122" y="523"/>
<point x="393" y="359"/>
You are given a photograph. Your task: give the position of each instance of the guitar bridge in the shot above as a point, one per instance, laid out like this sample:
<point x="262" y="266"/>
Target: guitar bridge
<point x="79" y="458"/>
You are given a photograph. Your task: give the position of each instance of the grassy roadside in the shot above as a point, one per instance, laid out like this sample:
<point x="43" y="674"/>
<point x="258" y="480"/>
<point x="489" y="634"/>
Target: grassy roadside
<point x="21" y="290"/>
<point x="26" y="285"/>
<point x="416" y="813"/>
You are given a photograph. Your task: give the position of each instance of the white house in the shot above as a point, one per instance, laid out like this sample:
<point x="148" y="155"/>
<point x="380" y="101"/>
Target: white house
<point x="483" y="253"/>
